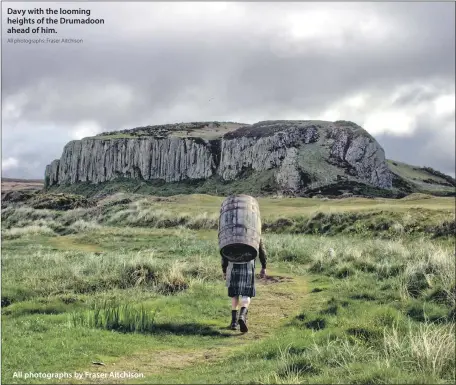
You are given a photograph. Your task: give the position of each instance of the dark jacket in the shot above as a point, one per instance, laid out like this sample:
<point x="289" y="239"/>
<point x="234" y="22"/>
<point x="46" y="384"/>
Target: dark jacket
<point x="262" y="255"/>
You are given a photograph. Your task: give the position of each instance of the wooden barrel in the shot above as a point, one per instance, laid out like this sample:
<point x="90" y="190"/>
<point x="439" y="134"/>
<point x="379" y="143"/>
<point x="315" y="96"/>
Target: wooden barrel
<point x="239" y="228"/>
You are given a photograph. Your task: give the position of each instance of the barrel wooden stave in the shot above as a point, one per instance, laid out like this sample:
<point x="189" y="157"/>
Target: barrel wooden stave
<point x="239" y="228"/>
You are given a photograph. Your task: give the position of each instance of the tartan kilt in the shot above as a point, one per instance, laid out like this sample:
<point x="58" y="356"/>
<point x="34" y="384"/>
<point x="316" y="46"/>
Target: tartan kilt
<point x="241" y="279"/>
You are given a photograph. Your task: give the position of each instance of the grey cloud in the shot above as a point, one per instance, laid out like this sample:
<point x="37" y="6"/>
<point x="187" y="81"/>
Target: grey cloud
<point x="33" y="147"/>
<point x="122" y="78"/>
<point x="416" y="95"/>
<point x="426" y="147"/>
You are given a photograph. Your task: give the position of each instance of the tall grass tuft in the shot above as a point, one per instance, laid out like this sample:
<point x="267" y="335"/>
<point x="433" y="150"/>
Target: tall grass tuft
<point x="84" y="226"/>
<point x="427" y="348"/>
<point x="18" y="232"/>
<point x="203" y="221"/>
<point x="173" y="280"/>
<point x="274" y="378"/>
<point x="421" y="269"/>
<point x="123" y="318"/>
<point x="431" y="268"/>
<point x="331" y="352"/>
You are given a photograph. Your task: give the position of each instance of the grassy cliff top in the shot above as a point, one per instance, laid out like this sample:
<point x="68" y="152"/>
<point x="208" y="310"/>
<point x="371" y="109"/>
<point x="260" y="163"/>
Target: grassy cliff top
<point x="204" y="130"/>
<point x="227" y="130"/>
<point x="423" y="179"/>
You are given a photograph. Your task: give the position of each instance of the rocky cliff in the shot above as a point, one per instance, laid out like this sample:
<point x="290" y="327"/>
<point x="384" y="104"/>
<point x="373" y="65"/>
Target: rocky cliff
<point x="299" y="154"/>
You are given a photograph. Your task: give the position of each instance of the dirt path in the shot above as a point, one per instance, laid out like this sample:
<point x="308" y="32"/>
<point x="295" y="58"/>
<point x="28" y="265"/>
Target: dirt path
<point x="279" y="298"/>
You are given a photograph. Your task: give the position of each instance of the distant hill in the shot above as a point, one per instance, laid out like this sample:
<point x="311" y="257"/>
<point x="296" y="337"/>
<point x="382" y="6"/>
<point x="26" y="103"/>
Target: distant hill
<point x="410" y="179"/>
<point x="18" y="180"/>
<point x="9" y="184"/>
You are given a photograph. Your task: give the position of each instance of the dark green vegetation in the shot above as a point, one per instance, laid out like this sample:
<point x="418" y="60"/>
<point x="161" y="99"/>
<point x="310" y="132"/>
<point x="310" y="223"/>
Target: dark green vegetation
<point x="36" y="200"/>
<point x="360" y="291"/>
<point x="251" y="183"/>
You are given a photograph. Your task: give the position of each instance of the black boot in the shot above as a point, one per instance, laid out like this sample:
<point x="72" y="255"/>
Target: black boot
<point x="234" y="323"/>
<point x="243" y="320"/>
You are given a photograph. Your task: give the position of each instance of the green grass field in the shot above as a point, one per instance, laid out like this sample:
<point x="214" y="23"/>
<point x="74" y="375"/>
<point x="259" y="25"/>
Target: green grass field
<point x="134" y="282"/>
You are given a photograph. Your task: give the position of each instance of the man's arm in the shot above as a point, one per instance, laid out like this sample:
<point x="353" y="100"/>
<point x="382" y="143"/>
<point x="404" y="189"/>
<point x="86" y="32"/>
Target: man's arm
<point x="263" y="256"/>
<point x="224" y="264"/>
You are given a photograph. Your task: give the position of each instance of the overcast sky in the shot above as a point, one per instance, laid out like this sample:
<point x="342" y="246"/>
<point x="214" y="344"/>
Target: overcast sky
<point x="389" y="67"/>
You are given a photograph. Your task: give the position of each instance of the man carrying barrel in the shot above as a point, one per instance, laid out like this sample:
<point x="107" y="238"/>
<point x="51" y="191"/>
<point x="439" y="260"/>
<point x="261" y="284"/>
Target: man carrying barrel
<point x="240" y="280"/>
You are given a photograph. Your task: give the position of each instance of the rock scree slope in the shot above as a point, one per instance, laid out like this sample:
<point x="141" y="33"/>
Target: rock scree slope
<point x="299" y="154"/>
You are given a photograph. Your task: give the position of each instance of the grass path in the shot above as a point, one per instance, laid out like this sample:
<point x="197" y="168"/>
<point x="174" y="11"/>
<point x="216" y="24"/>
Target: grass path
<point x="279" y="298"/>
<point x="70" y="243"/>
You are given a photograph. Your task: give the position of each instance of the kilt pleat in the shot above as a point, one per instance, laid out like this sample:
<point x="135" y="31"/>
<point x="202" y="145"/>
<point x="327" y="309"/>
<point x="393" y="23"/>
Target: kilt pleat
<point x="241" y="279"/>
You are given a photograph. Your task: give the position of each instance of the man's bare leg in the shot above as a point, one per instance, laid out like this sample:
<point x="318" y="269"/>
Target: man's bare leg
<point x="234" y="306"/>
<point x="245" y="302"/>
